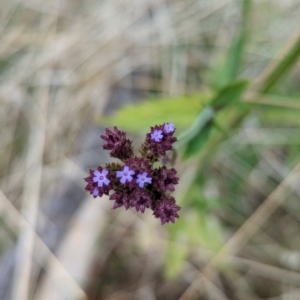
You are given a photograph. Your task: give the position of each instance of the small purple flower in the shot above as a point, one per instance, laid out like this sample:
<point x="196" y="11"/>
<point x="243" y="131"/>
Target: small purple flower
<point x="95" y="193"/>
<point x="166" y="209"/>
<point x="169" y="127"/>
<point x="100" y="178"/>
<point x="156" y="135"/>
<point x="96" y="185"/>
<point x="125" y="175"/>
<point x="142" y="179"/>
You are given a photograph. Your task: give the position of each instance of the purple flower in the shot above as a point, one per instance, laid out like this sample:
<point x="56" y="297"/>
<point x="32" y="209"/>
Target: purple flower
<point x="95" y="193"/>
<point x="142" y="179"/>
<point x="166" y="209"/>
<point x="141" y="200"/>
<point x="169" y="127"/>
<point x="125" y="175"/>
<point x="97" y="186"/>
<point x="165" y="179"/>
<point x="156" y="135"/>
<point x="118" y="144"/>
<point x="100" y="177"/>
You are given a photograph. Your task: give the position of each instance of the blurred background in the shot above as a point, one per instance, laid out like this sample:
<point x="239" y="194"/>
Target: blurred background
<point x="226" y="72"/>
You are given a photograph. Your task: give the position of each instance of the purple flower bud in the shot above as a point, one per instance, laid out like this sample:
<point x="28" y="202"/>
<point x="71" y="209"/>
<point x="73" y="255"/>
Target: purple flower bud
<point x="121" y="198"/>
<point x="166" y="209"/>
<point x="118" y="144"/>
<point x="142" y="179"/>
<point x="165" y="179"/>
<point x="125" y="175"/>
<point x="141" y="200"/>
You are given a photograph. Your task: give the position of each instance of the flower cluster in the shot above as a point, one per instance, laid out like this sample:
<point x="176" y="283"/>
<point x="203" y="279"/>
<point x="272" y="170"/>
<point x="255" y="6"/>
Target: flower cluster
<point x="135" y="182"/>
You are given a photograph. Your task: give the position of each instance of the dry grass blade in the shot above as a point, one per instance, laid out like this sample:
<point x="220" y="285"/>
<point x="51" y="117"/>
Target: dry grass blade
<point x="31" y="194"/>
<point x="247" y="230"/>
<point x="73" y="289"/>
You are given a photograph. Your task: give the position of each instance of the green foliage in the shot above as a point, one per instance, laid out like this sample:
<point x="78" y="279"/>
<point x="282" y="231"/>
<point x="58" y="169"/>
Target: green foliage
<point x="280" y="68"/>
<point x="139" y="117"/>
<point x="194" y="230"/>
<point x="198" y="134"/>
<point x="230" y="94"/>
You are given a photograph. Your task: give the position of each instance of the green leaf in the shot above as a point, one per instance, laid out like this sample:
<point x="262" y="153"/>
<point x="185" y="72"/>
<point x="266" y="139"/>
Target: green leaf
<point x="230" y="93"/>
<point x="281" y="67"/>
<point x="139" y="117"/>
<point x="196" y="136"/>
<point x="199" y="123"/>
<point x="196" y="143"/>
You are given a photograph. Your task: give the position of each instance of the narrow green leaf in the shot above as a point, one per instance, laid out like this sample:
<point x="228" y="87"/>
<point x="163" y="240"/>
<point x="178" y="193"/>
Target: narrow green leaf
<point x="235" y="54"/>
<point x="230" y="93"/>
<point x="197" y="135"/>
<point x="281" y="67"/>
<point x="196" y="143"/>
<point x="200" y="122"/>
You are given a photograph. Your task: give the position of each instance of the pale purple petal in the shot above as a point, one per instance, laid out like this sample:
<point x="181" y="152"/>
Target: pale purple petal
<point x="126" y="169"/>
<point x="141" y="184"/>
<point x="148" y="180"/>
<point x="129" y="178"/>
<point x="104" y="172"/>
<point x="106" y="181"/>
<point x="131" y="172"/>
<point x="119" y="173"/>
<point x="97" y="173"/>
<point x="100" y="183"/>
<point x="95" y="179"/>
<point x="123" y="180"/>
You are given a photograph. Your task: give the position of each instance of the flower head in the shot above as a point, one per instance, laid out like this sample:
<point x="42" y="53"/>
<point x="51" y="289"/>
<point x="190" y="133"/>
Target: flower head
<point x="118" y="144"/>
<point x="136" y="182"/>
<point x="125" y="175"/>
<point x="142" y="179"/>
<point x="166" y="209"/>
